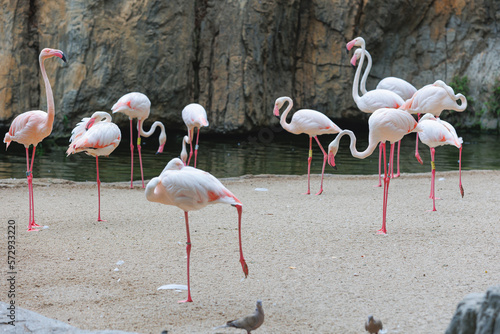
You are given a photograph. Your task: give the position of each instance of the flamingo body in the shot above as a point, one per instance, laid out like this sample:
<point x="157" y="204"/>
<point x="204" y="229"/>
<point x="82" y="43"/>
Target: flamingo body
<point x="311" y="122"/>
<point x="31" y="127"/>
<point x="137" y="105"/>
<point x="96" y="136"/>
<point x="189" y="189"/>
<point x="399" y="86"/>
<point x="194" y="116"/>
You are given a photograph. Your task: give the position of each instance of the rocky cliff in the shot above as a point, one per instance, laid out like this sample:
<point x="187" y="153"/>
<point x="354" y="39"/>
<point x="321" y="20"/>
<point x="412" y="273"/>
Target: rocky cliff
<point x="236" y="57"/>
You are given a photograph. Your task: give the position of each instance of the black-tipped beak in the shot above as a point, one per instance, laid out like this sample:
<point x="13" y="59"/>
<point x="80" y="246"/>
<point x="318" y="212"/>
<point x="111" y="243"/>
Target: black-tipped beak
<point x="277" y="117"/>
<point x="334" y="167"/>
<point x="63" y="57"/>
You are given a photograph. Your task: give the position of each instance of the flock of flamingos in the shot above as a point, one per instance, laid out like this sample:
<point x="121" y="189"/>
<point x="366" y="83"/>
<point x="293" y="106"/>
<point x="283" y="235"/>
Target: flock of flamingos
<point x="391" y="106"/>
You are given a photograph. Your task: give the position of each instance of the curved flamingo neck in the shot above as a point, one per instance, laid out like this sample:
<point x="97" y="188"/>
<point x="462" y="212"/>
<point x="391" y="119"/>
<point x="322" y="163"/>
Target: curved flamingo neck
<point x="152" y="129"/>
<point x="355" y="84"/>
<point x="463" y="105"/>
<point x="48" y="90"/>
<point x="372" y="145"/>
<point x="366" y="72"/>
<point x="284" y="124"/>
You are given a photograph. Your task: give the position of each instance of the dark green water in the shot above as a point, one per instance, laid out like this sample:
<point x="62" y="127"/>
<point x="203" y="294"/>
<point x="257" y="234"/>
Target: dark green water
<point x="271" y="151"/>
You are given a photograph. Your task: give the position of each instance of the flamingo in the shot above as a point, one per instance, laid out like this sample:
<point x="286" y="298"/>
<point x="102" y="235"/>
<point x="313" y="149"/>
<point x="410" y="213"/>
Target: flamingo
<point x="433" y="99"/>
<point x="31" y="127"/>
<point x="374" y="99"/>
<point x="185" y="141"/>
<point x="310" y="122"/>
<point x="189" y="189"/>
<point x="194" y="116"/>
<point x="436" y="132"/>
<point x="386" y="124"/>
<point x="137" y="105"/>
<point x="95" y="136"/>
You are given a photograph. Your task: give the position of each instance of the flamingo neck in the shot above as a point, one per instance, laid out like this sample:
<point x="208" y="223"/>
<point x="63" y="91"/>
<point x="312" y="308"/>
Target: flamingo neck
<point x="355" y="84"/>
<point x="163" y="134"/>
<point x="366" y="73"/>
<point x="284" y="124"/>
<point x="462" y="99"/>
<point x="151" y="195"/>
<point x="48" y="90"/>
<point x="372" y="145"/>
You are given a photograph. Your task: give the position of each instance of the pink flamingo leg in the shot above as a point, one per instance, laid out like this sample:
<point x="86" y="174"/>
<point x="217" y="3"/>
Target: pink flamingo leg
<point x="131" y="156"/>
<point x="196" y="147"/>
<point x="460" y="172"/>
<point x="387" y="180"/>
<point x="391" y="163"/>
<point x="379" y="163"/>
<point x="309" y="159"/>
<point x="417" y="155"/>
<point x="190" y="146"/>
<point x="29" y="175"/>
<point x="325" y="157"/>
<point x="242" y="259"/>
<point x="188" y="251"/>
<point x="433" y="179"/>
<point x="98" y="191"/>
<point x="139" y="150"/>
<point x="398" y="174"/>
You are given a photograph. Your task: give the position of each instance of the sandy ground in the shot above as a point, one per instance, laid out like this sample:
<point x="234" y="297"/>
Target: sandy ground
<point x="315" y="261"/>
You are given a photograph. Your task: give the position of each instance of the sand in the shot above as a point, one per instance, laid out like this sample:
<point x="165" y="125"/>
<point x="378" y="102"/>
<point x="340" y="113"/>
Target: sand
<point x="315" y="261"/>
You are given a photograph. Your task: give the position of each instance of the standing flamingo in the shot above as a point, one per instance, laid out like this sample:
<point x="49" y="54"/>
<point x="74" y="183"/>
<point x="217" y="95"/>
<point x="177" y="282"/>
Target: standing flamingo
<point x="374" y="99"/>
<point x="194" y="116"/>
<point x="184" y="155"/>
<point x="190" y="189"/>
<point x="95" y="136"/>
<point x="436" y="132"/>
<point x="434" y="99"/>
<point x="137" y="105"/>
<point x="310" y="122"/>
<point x="385" y="124"/>
<point x="31" y="127"/>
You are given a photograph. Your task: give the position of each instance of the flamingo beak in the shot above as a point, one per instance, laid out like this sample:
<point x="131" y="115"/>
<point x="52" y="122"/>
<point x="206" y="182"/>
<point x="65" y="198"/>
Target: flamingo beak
<point x="276" y="111"/>
<point x="331" y="160"/>
<point x="160" y="149"/>
<point x="350" y="45"/>
<point x="90" y="123"/>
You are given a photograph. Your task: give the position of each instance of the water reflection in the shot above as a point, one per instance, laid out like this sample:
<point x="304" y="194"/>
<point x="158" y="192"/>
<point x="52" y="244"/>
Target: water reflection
<point x="276" y="152"/>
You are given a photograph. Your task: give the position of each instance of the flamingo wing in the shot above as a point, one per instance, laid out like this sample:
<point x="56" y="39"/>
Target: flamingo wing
<point x="134" y="105"/>
<point x="379" y="98"/>
<point x="194" y="116"/>
<point x="100" y="139"/>
<point x="398" y="86"/>
<point x="28" y="128"/>
<point x="313" y="123"/>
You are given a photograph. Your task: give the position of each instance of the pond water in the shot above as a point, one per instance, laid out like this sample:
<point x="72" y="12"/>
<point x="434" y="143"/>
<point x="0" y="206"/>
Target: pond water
<point x="271" y="151"/>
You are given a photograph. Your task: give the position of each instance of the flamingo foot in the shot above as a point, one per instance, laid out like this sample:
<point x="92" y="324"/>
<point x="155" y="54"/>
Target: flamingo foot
<point x="378" y="185"/>
<point x="382" y="231"/>
<point x="462" y="191"/>
<point x="101" y="220"/>
<point x="307" y="193"/>
<point x="434" y="209"/>
<point x="32" y="228"/>
<point x="33" y="224"/>
<point x="244" y="266"/>
<point x="319" y="192"/>
<point x="397" y="175"/>
<point x="189" y="300"/>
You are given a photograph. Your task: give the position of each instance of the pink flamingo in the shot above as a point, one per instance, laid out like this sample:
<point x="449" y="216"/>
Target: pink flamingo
<point x="184" y="155"/>
<point x="436" y="132"/>
<point x="194" y="116"/>
<point x="31" y="127"/>
<point x="95" y="136"/>
<point x="190" y="189"/>
<point x="310" y="122"/>
<point x="434" y="99"/>
<point x="374" y="99"/>
<point x="137" y="105"/>
<point x="385" y="124"/>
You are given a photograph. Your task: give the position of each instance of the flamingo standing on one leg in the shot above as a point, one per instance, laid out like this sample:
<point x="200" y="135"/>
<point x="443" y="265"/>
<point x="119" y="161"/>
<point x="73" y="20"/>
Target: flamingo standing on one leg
<point x="31" y="127"/>
<point x="137" y="105"/>
<point x="385" y="124"/>
<point x="374" y="99"/>
<point x="436" y="132"/>
<point x="194" y="116"/>
<point x="95" y="136"/>
<point x="190" y="189"/>
<point x="433" y="99"/>
<point x="184" y="155"/>
<point x="310" y="122"/>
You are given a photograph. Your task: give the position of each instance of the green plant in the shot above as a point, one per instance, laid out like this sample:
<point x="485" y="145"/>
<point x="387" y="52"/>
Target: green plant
<point x="461" y="85"/>
<point x="494" y="99"/>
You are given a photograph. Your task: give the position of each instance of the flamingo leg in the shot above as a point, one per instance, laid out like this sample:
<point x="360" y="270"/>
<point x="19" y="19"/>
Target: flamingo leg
<point x="417" y="155"/>
<point x="29" y="175"/>
<point x="325" y="157"/>
<point x="379" y="164"/>
<point x="309" y="159"/>
<point x="196" y="147"/>
<point x="98" y="191"/>
<point x="387" y="180"/>
<point x="139" y="150"/>
<point x="460" y="172"/>
<point x="391" y="163"/>
<point x="239" y="208"/>
<point x="188" y="251"/>
<point x="190" y="132"/>
<point x="131" y="156"/>
<point x="399" y="152"/>
<point x="433" y="179"/>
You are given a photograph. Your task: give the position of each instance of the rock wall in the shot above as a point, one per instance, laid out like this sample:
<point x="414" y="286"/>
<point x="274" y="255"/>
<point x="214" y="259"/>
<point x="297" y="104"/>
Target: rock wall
<point x="236" y="57"/>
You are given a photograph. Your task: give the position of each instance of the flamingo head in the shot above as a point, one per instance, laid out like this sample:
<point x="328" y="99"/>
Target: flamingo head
<point x="163" y="140"/>
<point x="277" y="106"/>
<point x="174" y="164"/>
<point x="48" y="53"/>
<point x="160" y="149"/>
<point x="90" y="123"/>
<point x="332" y="152"/>
<point x="358" y="41"/>
<point x="356" y="56"/>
